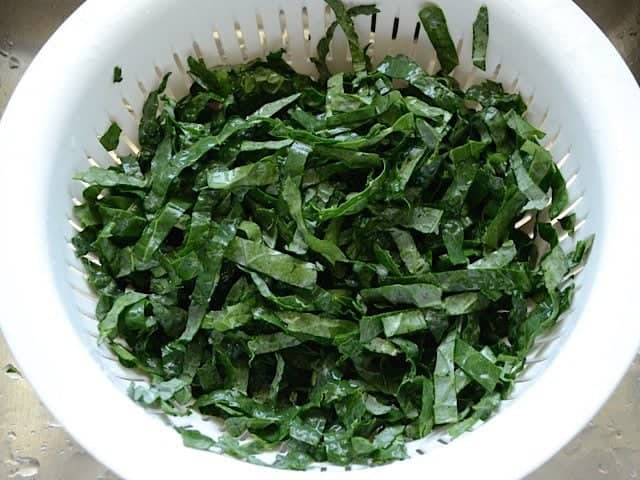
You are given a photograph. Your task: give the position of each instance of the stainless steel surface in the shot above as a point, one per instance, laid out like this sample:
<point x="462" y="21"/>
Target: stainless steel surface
<point x="33" y="445"/>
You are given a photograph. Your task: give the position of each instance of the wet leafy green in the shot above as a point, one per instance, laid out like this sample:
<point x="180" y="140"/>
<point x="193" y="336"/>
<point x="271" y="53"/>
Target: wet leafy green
<point x="117" y="74"/>
<point x="110" y="178"/>
<point x="111" y="137"/>
<point x="435" y="24"/>
<point x="481" y="38"/>
<point x="329" y="263"/>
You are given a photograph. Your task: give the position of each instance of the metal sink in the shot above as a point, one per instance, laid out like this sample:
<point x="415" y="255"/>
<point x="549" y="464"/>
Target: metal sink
<point x="33" y="445"/>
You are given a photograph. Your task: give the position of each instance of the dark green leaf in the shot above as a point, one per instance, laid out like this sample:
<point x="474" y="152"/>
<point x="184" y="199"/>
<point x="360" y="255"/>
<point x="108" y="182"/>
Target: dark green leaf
<point x="262" y="259"/>
<point x="195" y="439"/>
<point x="256" y="174"/>
<point x="465" y="303"/>
<point x="476" y="365"/>
<point x="481" y="38"/>
<point x="117" y="74"/>
<point x="325" y="42"/>
<point x="345" y="20"/>
<point x="109" y="325"/>
<point x="270" y="109"/>
<point x="402" y="68"/>
<point x="157" y="230"/>
<point x="400" y="323"/>
<point x="298" y="154"/>
<point x="316" y="326"/>
<point x="555" y="266"/>
<point x="523" y="129"/>
<point x="308" y="431"/>
<point x="110" y="178"/>
<point x="212" y="256"/>
<point x="421" y="295"/>
<point x="111" y="138"/>
<point x="453" y="237"/>
<point x="231" y="317"/>
<point x="445" y="407"/>
<point x="435" y="24"/>
<point x="408" y="251"/>
<point x="272" y="343"/>
<point x="497" y="259"/>
<point x="538" y="200"/>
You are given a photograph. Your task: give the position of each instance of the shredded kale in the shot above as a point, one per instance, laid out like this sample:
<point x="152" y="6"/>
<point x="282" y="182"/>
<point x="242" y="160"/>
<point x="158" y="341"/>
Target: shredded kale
<point x="481" y="38"/>
<point x="331" y="264"/>
<point x="117" y="74"/>
<point x="111" y="137"/>
<point x="435" y="24"/>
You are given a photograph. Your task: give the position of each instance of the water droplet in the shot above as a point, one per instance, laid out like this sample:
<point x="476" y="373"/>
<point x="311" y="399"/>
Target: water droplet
<point x="619" y="435"/>
<point x="603" y="469"/>
<point x="14" y="62"/>
<point x="11" y="435"/>
<point x="3" y="53"/>
<point x="23" y="467"/>
<point x="54" y="425"/>
<point x="12" y="372"/>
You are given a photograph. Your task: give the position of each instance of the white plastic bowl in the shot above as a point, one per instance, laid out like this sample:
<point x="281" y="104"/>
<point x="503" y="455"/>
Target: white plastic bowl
<point x="580" y="92"/>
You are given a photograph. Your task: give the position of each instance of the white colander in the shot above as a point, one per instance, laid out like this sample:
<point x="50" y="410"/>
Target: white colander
<point x="579" y="91"/>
